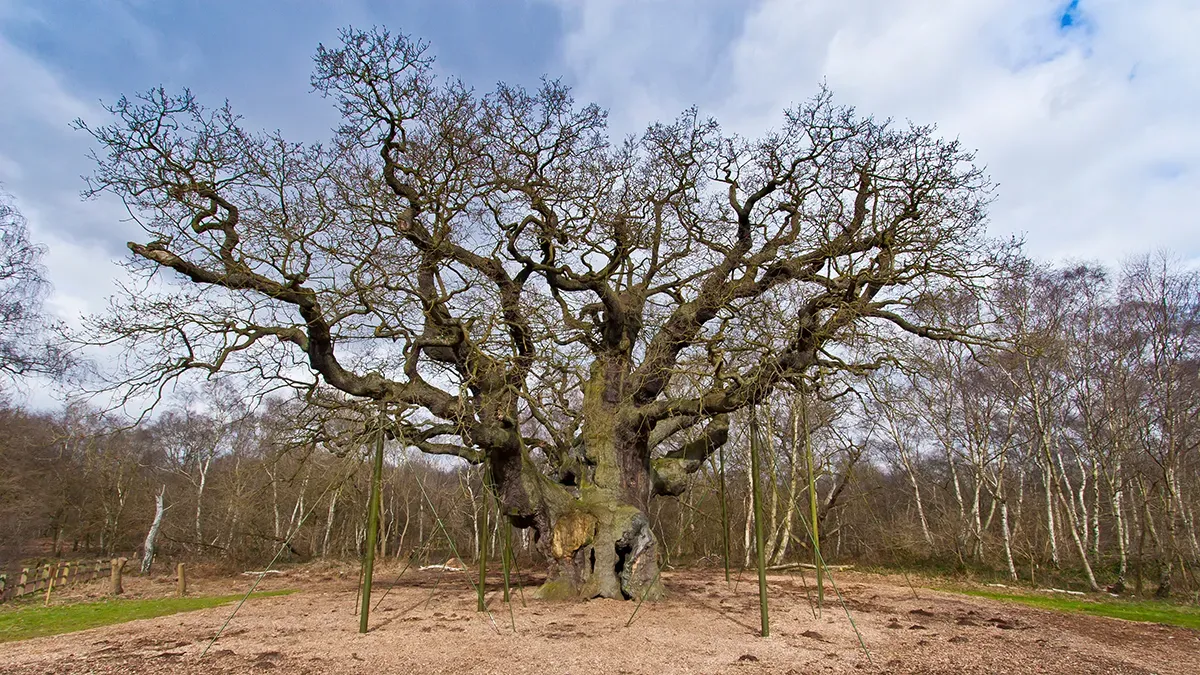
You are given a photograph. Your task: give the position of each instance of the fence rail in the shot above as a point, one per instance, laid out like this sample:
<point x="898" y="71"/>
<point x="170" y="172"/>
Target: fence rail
<point x="51" y="575"/>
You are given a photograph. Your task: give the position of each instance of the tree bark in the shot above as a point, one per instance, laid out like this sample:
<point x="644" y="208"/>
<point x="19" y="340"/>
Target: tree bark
<point x="1008" y="554"/>
<point x="1048" y="484"/>
<point x="118" y="569"/>
<point x="152" y="535"/>
<point x="329" y="522"/>
<point x="203" y="482"/>
<point x="598" y="537"/>
<point x="789" y="529"/>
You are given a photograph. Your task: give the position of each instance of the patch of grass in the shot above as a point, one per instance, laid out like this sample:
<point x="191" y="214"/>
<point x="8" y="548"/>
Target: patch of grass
<point x="22" y="623"/>
<point x="1130" y="610"/>
<point x="975" y="572"/>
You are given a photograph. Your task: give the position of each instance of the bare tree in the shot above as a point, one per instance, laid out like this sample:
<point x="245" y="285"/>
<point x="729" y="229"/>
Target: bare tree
<point x="522" y="292"/>
<point x="23" y="286"/>
<point x="1162" y="304"/>
<point x="889" y="405"/>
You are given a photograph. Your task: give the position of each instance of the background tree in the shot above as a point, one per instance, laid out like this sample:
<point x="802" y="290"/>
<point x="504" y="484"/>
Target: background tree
<point x="23" y="286"/>
<point x="579" y="315"/>
<point x="946" y="432"/>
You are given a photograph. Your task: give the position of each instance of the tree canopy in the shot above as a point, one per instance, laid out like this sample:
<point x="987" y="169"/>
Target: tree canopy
<point x="520" y="288"/>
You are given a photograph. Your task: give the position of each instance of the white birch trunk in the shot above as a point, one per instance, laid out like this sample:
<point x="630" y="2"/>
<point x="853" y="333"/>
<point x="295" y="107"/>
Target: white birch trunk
<point x="773" y="479"/>
<point x="1008" y="554"/>
<point x="329" y="522"/>
<point x="1048" y="482"/>
<point x="793" y="485"/>
<point x="155" y="526"/>
<point x="1087" y="566"/>
<point x="200" y="485"/>
<point x="1119" y="521"/>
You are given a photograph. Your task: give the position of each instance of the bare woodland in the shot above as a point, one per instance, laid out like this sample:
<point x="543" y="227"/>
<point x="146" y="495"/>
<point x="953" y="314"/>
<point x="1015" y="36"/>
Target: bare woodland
<point x="576" y="334"/>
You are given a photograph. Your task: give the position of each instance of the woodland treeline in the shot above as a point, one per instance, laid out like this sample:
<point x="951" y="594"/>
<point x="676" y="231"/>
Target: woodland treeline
<point x="1061" y="444"/>
<point x="599" y="330"/>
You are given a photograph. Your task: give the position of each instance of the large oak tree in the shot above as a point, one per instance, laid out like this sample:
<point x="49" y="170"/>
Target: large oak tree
<point x="582" y="314"/>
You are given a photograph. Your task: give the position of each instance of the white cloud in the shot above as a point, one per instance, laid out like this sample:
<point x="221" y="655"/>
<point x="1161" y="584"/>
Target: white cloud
<point x="41" y="159"/>
<point x="646" y="59"/>
<point x="1089" y="131"/>
<point x="33" y="94"/>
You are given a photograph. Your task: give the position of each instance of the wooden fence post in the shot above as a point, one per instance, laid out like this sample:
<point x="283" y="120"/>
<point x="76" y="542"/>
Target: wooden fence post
<point x="182" y="580"/>
<point x="50" y="582"/>
<point x="24" y="580"/>
<point x="118" y="565"/>
<point x="3" y="586"/>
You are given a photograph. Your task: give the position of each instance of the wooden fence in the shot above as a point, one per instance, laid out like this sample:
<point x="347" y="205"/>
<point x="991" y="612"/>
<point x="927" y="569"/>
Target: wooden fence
<point x="56" y="575"/>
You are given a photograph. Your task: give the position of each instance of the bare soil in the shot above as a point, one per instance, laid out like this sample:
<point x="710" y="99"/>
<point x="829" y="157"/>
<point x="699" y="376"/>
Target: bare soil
<point x="428" y="624"/>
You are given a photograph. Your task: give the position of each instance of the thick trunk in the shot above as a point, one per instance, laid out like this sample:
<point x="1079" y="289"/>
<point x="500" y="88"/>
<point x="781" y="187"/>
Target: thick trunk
<point x="598" y="535"/>
<point x="602" y="548"/>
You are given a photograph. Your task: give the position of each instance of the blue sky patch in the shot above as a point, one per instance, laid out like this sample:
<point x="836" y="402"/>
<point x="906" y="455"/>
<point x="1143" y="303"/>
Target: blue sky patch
<point x="1070" y="16"/>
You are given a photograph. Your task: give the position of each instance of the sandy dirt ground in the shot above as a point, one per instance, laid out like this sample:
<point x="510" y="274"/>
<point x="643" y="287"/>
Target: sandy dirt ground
<point x="428" y="624"/>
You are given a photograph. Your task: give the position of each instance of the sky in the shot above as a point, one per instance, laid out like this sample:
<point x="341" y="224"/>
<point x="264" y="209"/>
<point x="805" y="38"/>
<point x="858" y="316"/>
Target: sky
<point x="1084" y="112"/>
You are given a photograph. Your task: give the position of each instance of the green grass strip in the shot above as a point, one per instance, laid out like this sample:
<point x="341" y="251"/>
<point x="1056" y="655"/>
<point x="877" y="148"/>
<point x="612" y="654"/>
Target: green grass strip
<point x="22" y="623"/>
<point x="1130" y="610"/>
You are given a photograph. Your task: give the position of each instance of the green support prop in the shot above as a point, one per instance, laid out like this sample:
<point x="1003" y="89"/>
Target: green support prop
<point x="812" y="501"/>
<point x="372" y="529"/>
<point x="483" y="544"/>
<point x="507" y="561"/>
<point x="760" y="543"/>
